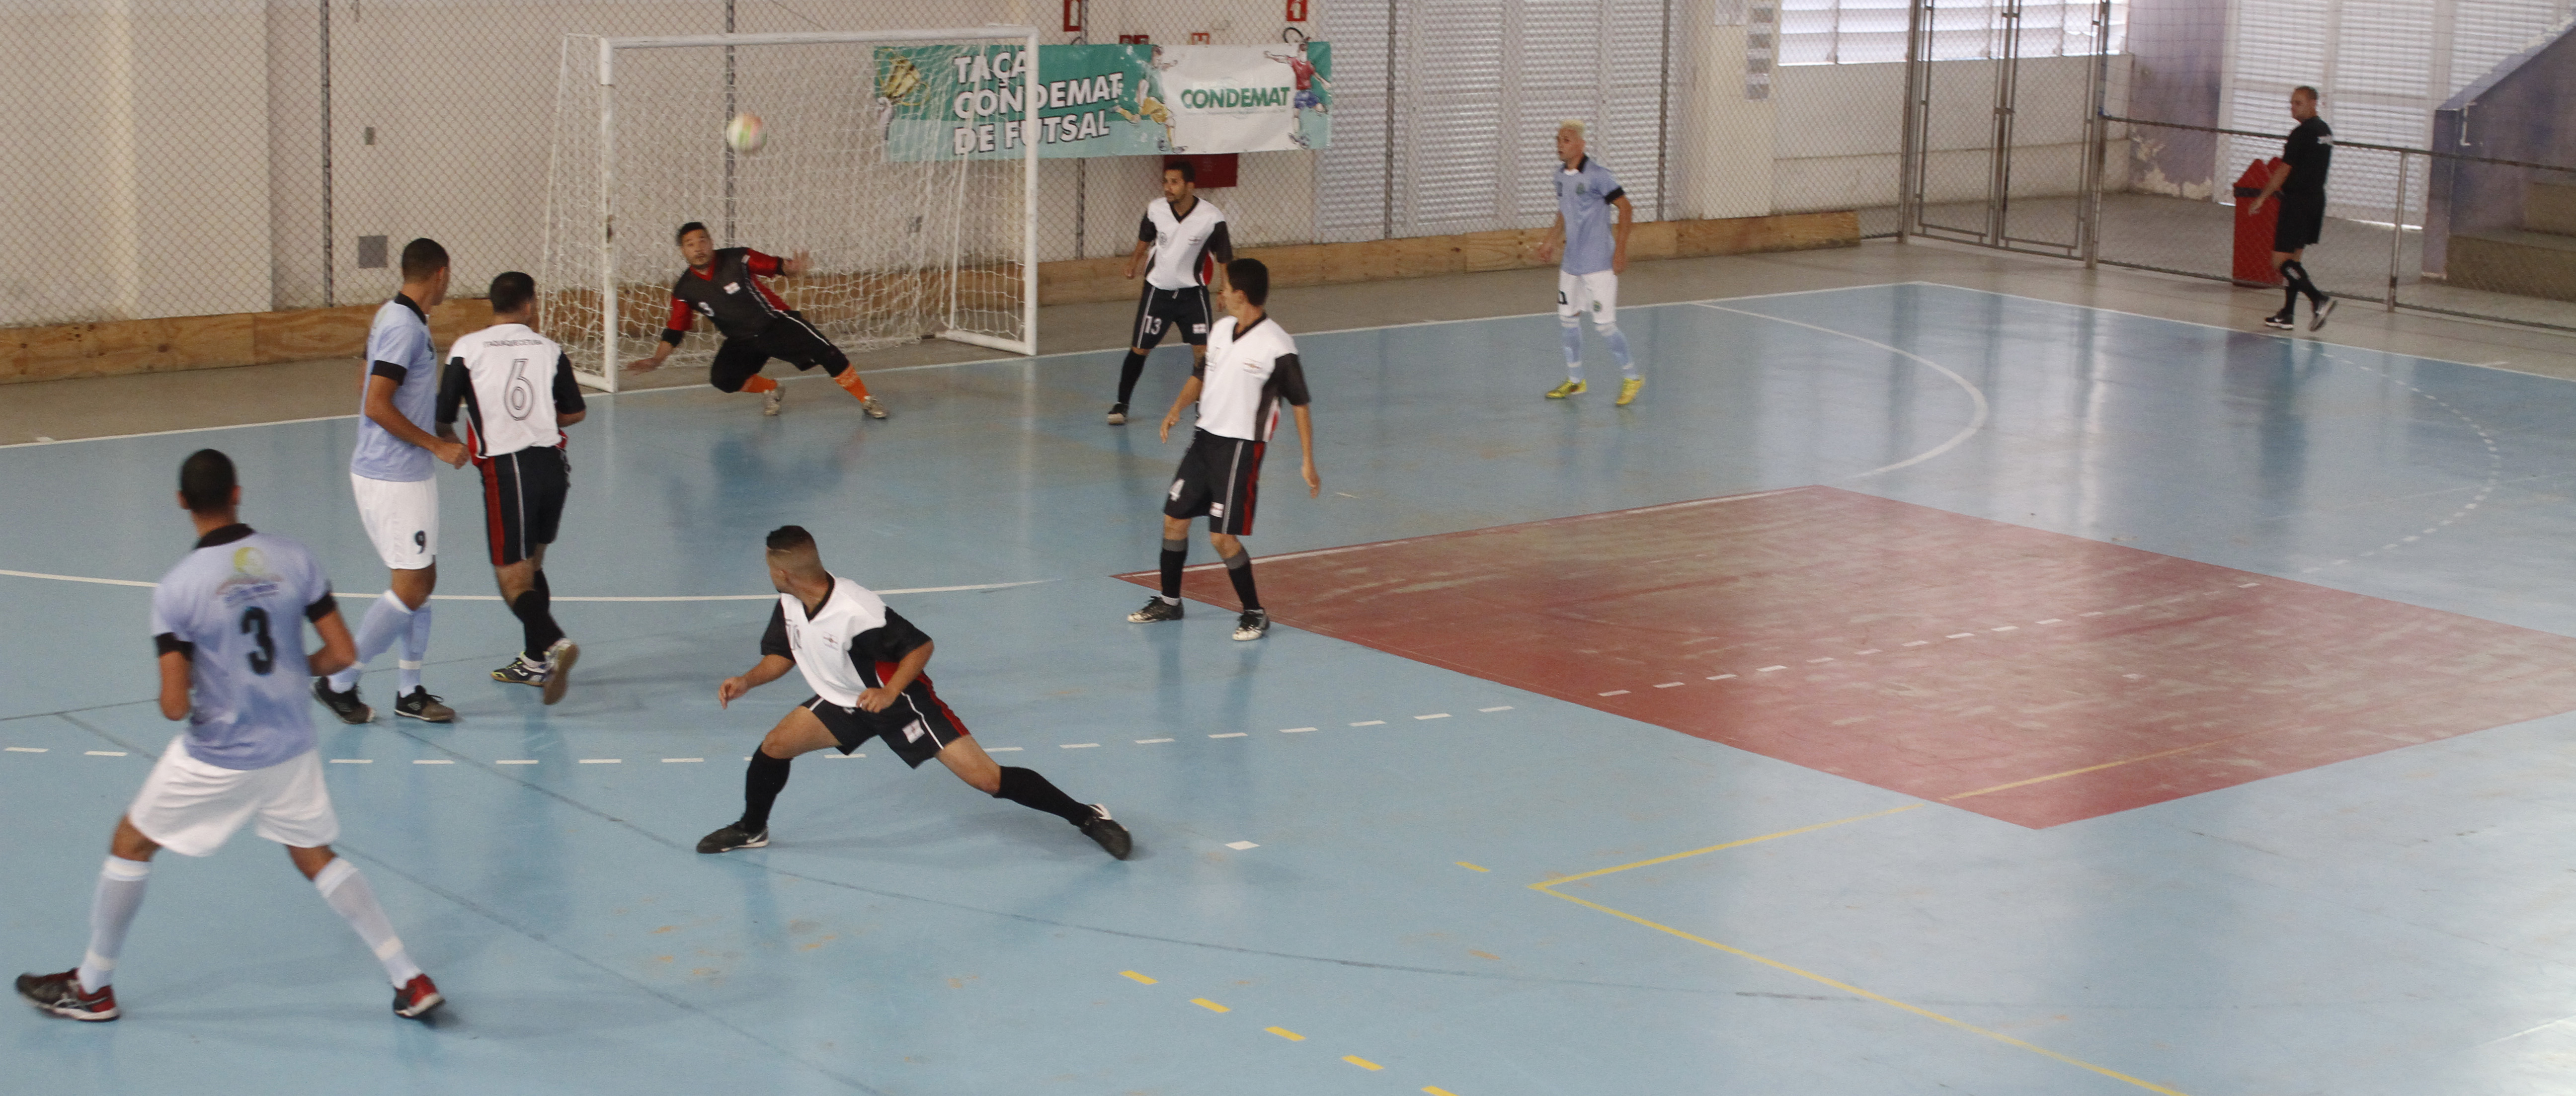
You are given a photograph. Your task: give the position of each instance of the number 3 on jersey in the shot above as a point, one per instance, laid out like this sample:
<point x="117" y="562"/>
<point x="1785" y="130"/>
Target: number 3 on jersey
<point x="254" y="623"/>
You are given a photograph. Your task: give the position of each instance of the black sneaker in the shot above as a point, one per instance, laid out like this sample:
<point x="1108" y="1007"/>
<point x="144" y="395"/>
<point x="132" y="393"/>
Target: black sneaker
<point x="1110" y="834"/>
<point x="417" y="997"/>
<point x="2283" y="320"/>
<point x="520" y="671"/>
<point x="1252" y="624"/>
<point x="1156" y="611"/>
<point x="60" y="994"/>
<point x="2319" y="312"/>
<point x="418" y="704"/>
<point x="1117" y="414"/>
<point x="345" y="705"/>
<point x="732" y="837"/>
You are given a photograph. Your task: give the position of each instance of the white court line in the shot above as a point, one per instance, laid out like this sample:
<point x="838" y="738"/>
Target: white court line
<point x="1295" y="730"/>
<point x="1370" y="723"/>
<point x="683" y="760"/>
<point x="1233" y="734"/>
<point x="107" y="753"/>
<point x="1496" y="708"/>
<point x="2229" y="330"/>
<point x="433" y="761"/>
<point x="1150" y="741"/>
<point x="26" y="749"/>
<point x="1434" y="715"/>
<point x="771" y="596"/>
<point x="1239" y="846"/>
<point x="1032" y="359"/>
<point x="1077" y="745"/>
<point x="1976" y="422"/>
<point x="518" y="761"/>
<point x="352" y="761"/>
<point x="603" y="761"/>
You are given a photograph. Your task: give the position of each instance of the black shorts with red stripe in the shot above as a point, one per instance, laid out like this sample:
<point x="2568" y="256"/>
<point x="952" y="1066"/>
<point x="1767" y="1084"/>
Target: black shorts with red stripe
<point x="916" y="726"/>
<point x="1220" y="479"/>
<point x="523" y="500"/>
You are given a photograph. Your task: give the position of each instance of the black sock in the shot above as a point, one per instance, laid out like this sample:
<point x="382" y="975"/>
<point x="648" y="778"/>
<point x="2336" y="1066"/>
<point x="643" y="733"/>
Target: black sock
<point x="536" y="621"/>
<point x="761" y="783"/>
<point x="1128" y="371"/>
<point x="1239" y="568"/>
<point x="2289" y="294"/>
<point x="1175" y="553"/>
<point x="1026" y="788"/>
<point x="2297" y="275"/>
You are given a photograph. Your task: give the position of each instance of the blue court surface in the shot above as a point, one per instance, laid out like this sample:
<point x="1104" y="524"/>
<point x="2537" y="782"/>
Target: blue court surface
<point x="1356" y="872"/>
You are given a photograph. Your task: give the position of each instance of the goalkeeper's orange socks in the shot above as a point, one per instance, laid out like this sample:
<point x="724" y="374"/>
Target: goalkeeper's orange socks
<point x="850" y="382"/>
<point x="758" y="383"/>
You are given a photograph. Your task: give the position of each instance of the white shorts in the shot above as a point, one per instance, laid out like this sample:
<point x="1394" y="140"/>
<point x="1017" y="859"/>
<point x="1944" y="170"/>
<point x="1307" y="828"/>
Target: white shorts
<point x="1596" y="293"/>
<point x="401" y="517"/>
<point x="192" y="808"/>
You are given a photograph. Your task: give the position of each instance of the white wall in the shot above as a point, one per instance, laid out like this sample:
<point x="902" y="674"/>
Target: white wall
<point x="1837" y="144"/>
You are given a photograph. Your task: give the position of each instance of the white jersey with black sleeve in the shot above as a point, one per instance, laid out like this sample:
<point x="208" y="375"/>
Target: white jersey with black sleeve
<point x="1180" y="243"/>
<point x="1245" y="377"/>
<point x="511" y="384"/>
<point x="235" y="607"/>
<point x="848" y="646"/>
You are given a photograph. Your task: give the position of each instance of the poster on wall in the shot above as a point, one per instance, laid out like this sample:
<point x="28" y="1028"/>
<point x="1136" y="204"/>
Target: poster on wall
<point x="964" y="102"/>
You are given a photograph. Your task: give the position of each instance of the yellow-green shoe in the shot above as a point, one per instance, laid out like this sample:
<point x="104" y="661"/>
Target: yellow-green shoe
<point x="1569" y="388"/>
<point x="1628" y="390"/>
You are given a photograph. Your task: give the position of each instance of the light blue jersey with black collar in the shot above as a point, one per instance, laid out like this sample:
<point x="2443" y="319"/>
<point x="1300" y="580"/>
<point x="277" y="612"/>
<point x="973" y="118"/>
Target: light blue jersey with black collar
<point x="1583" y="196"/>
<point x="236" y="607"/>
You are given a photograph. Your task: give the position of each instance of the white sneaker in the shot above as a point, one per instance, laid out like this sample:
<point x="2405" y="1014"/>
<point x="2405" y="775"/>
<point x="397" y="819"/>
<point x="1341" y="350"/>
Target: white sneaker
<point x="772" y="400"/>
<point x="559" y="660"/>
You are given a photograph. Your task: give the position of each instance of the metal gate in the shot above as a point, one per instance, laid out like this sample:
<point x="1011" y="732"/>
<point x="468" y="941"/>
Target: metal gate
<point x="1987" y="155"/>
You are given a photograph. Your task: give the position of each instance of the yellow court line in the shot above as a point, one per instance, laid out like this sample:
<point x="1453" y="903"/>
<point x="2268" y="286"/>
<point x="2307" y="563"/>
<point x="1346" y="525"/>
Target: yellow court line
<point x="1856" y="990"/>
<point x="1136" y="976"/>
<point x="1363" y="1063"/>
<point x="1284" y="1033"/>
<point x="1436" y="1090"/>
<point x="1564" y="879"/>
<point x="1471" y="867"/>
<point x="1209" y="1005"/>
<point x="2092" y="768"/>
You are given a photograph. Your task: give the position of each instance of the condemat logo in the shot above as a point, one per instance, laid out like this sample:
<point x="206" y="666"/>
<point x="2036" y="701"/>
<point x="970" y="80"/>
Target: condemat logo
<point x="250" y="580"/>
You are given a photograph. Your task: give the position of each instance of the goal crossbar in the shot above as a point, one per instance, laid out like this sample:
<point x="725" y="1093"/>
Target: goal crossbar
<point x="609" y="47"/>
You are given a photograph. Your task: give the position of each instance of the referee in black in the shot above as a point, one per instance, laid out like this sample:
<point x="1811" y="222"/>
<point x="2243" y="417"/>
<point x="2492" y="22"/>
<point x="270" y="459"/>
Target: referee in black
<point x="2301" y="183"/>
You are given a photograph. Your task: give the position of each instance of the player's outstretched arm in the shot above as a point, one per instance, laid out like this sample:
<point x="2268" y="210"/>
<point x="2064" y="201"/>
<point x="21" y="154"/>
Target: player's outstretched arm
<point x="771" y="667"/>
<point x="1189" y="395"/>
<point x="339" y="651"/>
<point x="174" y="684"/>
<point x="673" y="330"/>
<point x="795" y="266"/>
<point x="1306" y="446"/>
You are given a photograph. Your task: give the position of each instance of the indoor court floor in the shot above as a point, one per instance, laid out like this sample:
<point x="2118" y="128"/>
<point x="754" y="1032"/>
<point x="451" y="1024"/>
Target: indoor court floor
<point x="1919" y="690"/>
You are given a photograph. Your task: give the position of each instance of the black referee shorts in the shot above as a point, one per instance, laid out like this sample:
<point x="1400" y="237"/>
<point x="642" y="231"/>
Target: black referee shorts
<point x="2302" y="222"/>
<point x="1220" y="478"/>
<point x="1184" y="310"/>
<point x="916" y="726"/>
<point x="523" y="500"/>
<point x="788" y="338"/>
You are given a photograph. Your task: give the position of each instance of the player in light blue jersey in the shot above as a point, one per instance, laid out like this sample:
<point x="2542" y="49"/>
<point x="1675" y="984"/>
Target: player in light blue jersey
<point x="397" y="500"/>
<point x="1596" y="253"/>
<point x="227" y="624"/>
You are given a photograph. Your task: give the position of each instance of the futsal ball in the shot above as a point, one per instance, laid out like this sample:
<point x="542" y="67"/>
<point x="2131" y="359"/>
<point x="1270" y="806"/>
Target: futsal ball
<point x="743" y="134"/>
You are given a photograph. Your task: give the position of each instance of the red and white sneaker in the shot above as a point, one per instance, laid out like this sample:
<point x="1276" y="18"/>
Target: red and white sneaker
<point x="416" y="998"/>
<point x="61" y="995"/>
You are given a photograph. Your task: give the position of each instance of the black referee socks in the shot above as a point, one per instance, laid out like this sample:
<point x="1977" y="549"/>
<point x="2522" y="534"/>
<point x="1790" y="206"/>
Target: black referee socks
<point x="1026" y="788"/>
<point x="761" y="783"/>
<point x="1175" y="553"/>
<point x="2296" y="278"/>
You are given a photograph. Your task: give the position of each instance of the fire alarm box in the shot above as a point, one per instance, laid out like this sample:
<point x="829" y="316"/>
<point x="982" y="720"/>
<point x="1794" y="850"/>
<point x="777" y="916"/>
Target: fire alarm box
<point x="1296" y="11"/>
<point x="1214" y="171"/>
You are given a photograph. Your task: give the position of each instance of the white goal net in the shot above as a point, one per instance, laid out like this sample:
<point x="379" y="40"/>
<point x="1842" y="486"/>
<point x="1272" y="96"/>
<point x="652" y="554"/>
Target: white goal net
<point x="902" y="249"/>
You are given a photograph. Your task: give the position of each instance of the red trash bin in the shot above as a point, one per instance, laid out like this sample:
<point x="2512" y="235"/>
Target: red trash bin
<point x="2254" y="230"/>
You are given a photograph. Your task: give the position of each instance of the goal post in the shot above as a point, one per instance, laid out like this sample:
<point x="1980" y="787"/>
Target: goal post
<point x="907" y="241"/>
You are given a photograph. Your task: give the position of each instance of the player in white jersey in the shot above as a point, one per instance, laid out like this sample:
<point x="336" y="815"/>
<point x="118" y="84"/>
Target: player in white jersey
<point x="397" y="499"/>
<point x="1596" y="253"/>
<point x="864" y="663"/>
<point x="1174" y="242"/>
<point x="1251" y="369"/>
<point x="516" y="391"/>
<point x="226" y="624"/>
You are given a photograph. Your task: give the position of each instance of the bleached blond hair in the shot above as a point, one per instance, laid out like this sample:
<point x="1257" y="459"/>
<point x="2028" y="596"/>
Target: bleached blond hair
<point x="1575" y="124"/>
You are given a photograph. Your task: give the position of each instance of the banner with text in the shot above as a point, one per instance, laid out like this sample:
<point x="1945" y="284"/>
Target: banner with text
<point x="964" y="102"/>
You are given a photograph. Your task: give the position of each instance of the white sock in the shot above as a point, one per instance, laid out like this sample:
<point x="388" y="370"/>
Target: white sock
<point x="1618" y="341"/>
<point x="120" y="893"/>
<point x="1570" y="331"/>
<point x="355" y="902"/>
<point x="386" y="618"/>
<point x="415" y="652"/>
